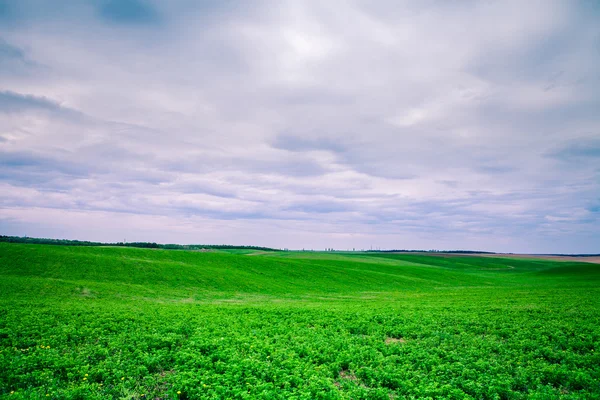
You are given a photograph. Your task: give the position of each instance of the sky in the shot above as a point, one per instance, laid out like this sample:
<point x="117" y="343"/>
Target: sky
<point x="310" y="124"/>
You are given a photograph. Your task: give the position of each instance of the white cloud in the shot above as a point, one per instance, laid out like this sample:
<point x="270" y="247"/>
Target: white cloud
<point x="311" y="124"/>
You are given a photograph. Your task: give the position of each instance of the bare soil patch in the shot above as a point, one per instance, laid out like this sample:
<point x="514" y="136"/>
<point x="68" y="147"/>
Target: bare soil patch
<point x="348" y="375"/>
<point x="345" y="375"/>
<point x="390" y="340"/>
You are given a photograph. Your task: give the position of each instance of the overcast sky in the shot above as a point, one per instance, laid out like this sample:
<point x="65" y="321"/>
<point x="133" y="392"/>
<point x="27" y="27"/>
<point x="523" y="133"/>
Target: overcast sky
<point x="303" y="124"/>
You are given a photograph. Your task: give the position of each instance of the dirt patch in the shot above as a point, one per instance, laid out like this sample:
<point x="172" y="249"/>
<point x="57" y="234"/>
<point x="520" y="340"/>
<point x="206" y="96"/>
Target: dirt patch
<point x="85" y="292"/>
<point x="188" y="300"/>
<point x="344" y="374"/>
<point x="390" y="340"/>
<point x="161" y="387"/>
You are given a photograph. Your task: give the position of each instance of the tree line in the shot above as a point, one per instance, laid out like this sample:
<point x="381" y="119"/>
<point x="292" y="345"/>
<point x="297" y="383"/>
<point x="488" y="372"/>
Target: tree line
<point x="144" y="245"/>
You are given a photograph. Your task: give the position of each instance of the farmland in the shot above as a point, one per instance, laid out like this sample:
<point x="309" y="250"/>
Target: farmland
<point x="123" y="323"/>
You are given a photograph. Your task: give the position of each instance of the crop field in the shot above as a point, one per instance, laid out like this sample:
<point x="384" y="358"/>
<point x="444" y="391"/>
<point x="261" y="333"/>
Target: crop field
<point x="127" y="323"/>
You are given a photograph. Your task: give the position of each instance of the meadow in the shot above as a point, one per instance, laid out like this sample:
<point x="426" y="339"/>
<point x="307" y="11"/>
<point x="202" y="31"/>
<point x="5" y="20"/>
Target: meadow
<point x="127" y="323"/>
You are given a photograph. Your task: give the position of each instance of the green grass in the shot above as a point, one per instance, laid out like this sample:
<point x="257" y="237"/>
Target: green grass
<point x="145" y="323"/>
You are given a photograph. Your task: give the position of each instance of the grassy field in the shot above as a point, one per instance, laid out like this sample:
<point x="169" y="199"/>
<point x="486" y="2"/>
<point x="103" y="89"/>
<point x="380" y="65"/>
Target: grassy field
<point x="123" y="323"/>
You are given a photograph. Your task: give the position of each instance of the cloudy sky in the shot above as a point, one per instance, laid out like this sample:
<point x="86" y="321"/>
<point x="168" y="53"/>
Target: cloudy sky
<point x="303" y="124"/>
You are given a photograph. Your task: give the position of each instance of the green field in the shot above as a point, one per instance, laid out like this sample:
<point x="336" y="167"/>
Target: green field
<point x="123" y="323"/>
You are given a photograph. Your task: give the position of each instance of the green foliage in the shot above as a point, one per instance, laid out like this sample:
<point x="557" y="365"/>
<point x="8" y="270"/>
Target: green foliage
<point x="107" y="322"/>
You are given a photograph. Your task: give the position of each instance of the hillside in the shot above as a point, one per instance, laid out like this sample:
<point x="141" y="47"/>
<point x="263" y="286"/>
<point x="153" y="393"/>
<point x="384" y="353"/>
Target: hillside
<point x="167" y="273"/>
<point x="115" y="322"/>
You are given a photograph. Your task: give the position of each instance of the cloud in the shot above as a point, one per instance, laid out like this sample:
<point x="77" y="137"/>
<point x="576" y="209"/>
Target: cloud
<point x="300" y="144"/>
<point x="4" y="9"/>
<point x="23" y="160"/>
<point x="319" y="207"/>
<point x="15" y="102"/>
<point x="9" y="52"/>
<point x="579" y="149"/>
<point x="128" y="11"/>
<point x="302" y="124"/>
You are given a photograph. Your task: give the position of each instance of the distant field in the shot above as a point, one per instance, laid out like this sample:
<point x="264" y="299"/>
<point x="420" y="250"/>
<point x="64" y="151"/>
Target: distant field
<point x="123" y="323"/>
<point x="577" y="258"/>
<point x="589" y="259"/>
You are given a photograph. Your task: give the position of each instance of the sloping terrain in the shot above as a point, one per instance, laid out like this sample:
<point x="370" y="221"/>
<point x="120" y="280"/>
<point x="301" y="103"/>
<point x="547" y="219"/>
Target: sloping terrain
<point x="108" y="322"/>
